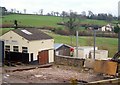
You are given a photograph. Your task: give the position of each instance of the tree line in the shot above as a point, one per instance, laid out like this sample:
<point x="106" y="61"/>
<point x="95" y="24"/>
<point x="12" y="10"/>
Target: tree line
<point x="83" y="14"/>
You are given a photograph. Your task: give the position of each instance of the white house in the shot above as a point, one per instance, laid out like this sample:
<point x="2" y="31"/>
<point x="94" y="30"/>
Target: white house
<point x="108" y="27"/>
<point x="32" y="41"/>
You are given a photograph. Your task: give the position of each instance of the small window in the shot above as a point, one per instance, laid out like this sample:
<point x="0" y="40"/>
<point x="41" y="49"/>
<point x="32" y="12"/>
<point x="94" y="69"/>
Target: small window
<point x="7" y="48"/>
<point x="15" y="49"/>
<point x="24" y="49"/>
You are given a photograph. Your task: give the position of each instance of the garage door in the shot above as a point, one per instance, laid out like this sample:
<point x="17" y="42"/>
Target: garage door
<point x="43" y="57"/>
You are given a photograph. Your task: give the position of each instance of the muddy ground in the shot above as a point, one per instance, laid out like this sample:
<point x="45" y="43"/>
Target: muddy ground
<point x="53" y="74"/>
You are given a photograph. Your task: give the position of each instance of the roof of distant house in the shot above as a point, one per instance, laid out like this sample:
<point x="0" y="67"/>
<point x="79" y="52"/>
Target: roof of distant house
<point x="32" y="34"/>
<point x="58" y="45"/>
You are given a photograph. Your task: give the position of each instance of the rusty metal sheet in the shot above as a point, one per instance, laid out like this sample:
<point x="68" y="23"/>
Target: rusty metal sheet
<point x="106" y="67"/>
<point x="97" y="66"/>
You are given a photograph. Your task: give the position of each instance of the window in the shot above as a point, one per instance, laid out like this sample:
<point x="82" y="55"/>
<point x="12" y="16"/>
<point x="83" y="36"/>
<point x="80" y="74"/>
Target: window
<point x="24" y="49"/>
<point x="7" y="48"/>
<point x="15" y="49"/>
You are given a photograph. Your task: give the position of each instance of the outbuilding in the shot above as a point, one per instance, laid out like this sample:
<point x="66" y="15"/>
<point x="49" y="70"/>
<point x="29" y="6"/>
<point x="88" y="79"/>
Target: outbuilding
<point x="62" y="49"/>
<point x="39" y="45"/>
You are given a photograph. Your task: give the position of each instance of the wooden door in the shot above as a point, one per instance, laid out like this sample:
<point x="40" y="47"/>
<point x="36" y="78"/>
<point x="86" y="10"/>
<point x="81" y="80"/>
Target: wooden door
<point x="43" y="57"/>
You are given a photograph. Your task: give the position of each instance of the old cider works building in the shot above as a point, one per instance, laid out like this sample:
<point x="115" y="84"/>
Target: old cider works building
<point x="39" y="45"/>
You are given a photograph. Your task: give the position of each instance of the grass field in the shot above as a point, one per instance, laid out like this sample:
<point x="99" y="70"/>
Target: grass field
<point x="32" y="20"/>
<point x="109" y="44"/>
<point x="4" y="30"/>
<point x="38" y="21"/>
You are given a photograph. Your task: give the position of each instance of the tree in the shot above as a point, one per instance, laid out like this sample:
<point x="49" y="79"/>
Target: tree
<point x="41" y="11"/>
<point x="90" y="14"/>
<point x="117" y="30"/>
<point x="52" y="13"/>
<point x="3" y="11"/>
<point x="63" y="14"/>
<point x="15" y="24"/>
<point x="24" y="11"/>
<point x="72" y="23"/>
<point x="83" y="13"/>
<point x="110" y="17"/>
<point x="57" y="13"/>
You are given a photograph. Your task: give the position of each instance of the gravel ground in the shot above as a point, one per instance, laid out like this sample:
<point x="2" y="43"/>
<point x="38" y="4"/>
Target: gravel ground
<point x="54" y="74"/>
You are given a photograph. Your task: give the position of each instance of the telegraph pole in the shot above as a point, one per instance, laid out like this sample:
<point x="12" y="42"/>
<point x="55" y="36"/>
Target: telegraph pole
<point x="94" y="42"/>
<point x="76" y="43"/>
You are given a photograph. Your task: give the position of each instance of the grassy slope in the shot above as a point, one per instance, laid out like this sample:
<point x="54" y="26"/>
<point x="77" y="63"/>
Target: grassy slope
<point x="102" y="43"/>
<point x="4" y="30"/>
<point x="37" y="21"/>
<point x="32" y="20"/>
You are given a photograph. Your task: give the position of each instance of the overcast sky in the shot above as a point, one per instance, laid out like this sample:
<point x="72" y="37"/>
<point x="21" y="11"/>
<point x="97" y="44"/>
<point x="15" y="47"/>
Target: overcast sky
<point x="32" y="6"/>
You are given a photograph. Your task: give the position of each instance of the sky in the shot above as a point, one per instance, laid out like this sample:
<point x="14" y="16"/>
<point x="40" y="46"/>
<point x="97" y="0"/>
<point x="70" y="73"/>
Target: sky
<point x="33" y="6"/>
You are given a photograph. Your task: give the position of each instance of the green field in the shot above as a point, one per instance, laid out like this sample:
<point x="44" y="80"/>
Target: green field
<point x="4" y="30"/>
<point x="32" y="20"/>
<point x="40" y="21"/>
<point x="109" y="44"/>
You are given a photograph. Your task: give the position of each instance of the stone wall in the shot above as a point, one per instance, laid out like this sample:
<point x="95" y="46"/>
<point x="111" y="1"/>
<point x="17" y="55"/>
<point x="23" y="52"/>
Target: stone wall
<point x="67" y="60"/>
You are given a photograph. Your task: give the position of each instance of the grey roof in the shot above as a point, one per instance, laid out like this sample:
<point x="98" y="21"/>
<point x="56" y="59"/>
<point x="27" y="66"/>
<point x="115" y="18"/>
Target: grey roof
<point x="58" y="45"/>
<point x="32" y="34"/>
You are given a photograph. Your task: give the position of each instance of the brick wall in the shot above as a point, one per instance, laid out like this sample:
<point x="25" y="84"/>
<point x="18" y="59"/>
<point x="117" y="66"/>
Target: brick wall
<point x="67" y="60"/>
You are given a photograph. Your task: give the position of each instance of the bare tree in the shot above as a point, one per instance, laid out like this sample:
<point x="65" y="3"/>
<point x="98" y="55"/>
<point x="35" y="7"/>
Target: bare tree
<point x="24" y="11"/>
<point x="83" y="13"/>
<point x="63" y="14"/>
<point x="90" y="13"/>
<point x="57" y="13"/>
<point x="52" y="13"/>
<point x="72" y="23"/>
<point x="12" y="10"/>
<point x="41" y="11"/>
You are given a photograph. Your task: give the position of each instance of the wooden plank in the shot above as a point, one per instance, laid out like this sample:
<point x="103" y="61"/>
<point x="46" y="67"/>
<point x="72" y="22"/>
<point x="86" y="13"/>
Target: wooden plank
<point x="107" y="82"/>
<point x="106" y="67"/>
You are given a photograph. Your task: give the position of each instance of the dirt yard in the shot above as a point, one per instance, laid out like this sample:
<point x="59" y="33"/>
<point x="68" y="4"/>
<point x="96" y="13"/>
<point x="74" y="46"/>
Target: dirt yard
<point x="53" y="74"/>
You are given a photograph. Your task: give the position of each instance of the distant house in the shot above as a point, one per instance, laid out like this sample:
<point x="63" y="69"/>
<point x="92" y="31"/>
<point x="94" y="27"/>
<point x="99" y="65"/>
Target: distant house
<point x="39" y="45"/>
<point x="108" y="27"/>
<point x="62" y="49"/>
